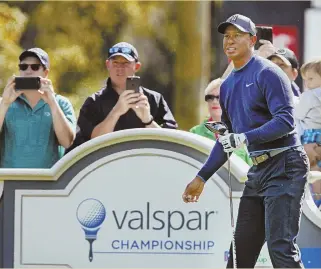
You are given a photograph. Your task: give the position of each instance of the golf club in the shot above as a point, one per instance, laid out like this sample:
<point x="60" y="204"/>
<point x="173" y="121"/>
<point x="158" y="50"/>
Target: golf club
<point x="220" y="128"/>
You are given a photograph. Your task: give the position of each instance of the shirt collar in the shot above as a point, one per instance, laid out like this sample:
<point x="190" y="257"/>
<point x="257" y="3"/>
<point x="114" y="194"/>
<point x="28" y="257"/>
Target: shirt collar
<point x="109" y="89"/>
<point x="242" y="67"/>
<point x="40" y="103"/>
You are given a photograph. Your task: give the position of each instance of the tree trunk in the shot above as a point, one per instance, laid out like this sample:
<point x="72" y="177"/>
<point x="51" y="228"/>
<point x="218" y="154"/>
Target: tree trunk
<point x="192" y="65"/>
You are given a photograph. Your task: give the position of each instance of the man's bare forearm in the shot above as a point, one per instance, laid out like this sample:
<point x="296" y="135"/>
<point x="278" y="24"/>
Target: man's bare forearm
<point x="3" y="111"/>
<point x="63" y="129"/>
<point x="107" y="125"/>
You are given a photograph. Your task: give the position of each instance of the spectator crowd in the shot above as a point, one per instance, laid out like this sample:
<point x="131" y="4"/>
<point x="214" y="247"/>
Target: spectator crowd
<point x="39" y="126"/>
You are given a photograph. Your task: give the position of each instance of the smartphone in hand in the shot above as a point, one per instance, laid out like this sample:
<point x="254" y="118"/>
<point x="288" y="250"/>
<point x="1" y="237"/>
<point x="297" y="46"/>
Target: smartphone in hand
<point x="263" y="32"/>
<point x="133" y="83"/>
<point x="27" y="83"/>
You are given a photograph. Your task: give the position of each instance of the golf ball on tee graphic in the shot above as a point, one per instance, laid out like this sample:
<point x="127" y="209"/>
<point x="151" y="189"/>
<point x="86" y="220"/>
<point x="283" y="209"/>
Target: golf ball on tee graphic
<point x="91" y="213"/>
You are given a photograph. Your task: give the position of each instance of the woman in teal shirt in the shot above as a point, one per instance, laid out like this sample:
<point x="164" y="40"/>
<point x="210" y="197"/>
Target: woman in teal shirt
<point x="212" y="97"/>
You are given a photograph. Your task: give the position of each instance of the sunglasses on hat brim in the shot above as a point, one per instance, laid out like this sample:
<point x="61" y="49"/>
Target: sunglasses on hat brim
<point x="123" y="50"/>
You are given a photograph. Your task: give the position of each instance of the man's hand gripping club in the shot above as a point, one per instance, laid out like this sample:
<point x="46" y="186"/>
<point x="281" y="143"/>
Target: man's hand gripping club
<point x="230" y="142"/>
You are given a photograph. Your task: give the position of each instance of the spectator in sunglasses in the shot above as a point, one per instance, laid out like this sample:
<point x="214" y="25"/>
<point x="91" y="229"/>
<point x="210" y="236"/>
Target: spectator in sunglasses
<point x="114" y="108"/>
<point x="212" y="98"/>
<point x="36" y="124"/>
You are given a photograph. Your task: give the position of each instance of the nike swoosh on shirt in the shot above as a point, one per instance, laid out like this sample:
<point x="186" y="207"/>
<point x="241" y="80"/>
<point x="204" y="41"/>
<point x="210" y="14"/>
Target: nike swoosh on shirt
<point x="248" y="85"/>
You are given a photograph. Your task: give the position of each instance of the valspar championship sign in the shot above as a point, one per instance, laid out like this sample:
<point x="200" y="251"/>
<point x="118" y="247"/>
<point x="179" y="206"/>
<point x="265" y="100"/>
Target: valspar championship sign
<point x="124" y="210"/>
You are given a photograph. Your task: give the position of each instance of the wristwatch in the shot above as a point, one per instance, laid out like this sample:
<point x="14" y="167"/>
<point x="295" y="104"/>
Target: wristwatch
<point x="148" y="123"/>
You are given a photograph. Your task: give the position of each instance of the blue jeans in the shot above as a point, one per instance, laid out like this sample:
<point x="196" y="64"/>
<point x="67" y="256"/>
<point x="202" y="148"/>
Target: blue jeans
<point x="270" y="211"/>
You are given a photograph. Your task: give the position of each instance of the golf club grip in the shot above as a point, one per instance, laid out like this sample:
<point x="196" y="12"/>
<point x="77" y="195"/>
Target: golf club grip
<point x="234" y="251"/>
<point x="233" y="144"/>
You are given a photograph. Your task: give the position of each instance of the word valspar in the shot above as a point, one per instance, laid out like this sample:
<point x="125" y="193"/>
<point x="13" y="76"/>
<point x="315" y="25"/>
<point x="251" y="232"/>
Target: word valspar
<point x="161" y="220"/>
<point x="158" y="245"/>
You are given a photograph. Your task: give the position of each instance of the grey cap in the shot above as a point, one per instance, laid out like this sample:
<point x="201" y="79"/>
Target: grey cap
<point x="287" y="56"/>
<point x="38" y="53"/>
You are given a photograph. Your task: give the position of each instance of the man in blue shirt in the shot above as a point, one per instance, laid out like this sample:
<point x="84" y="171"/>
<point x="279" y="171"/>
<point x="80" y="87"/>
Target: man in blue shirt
<point x="257" y="107"/>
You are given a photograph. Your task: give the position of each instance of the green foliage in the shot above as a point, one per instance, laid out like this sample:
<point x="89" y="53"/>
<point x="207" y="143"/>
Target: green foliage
<point x="12" y="22"/>
<point x="78" y="34"/>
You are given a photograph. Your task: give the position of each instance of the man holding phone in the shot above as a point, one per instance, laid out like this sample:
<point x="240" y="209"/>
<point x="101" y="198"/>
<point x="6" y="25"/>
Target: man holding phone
<point x="123" y="103"/>
<point x="36" y="124"/>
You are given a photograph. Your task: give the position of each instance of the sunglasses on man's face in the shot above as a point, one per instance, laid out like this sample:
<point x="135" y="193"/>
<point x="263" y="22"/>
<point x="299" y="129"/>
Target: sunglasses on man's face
<point x="124" y="50"/>
<point x="211" y="97"/>
<point x="34" y="67"/>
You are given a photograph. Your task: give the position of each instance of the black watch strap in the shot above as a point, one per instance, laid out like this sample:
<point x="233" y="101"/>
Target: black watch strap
<point x="148" y="123"/>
